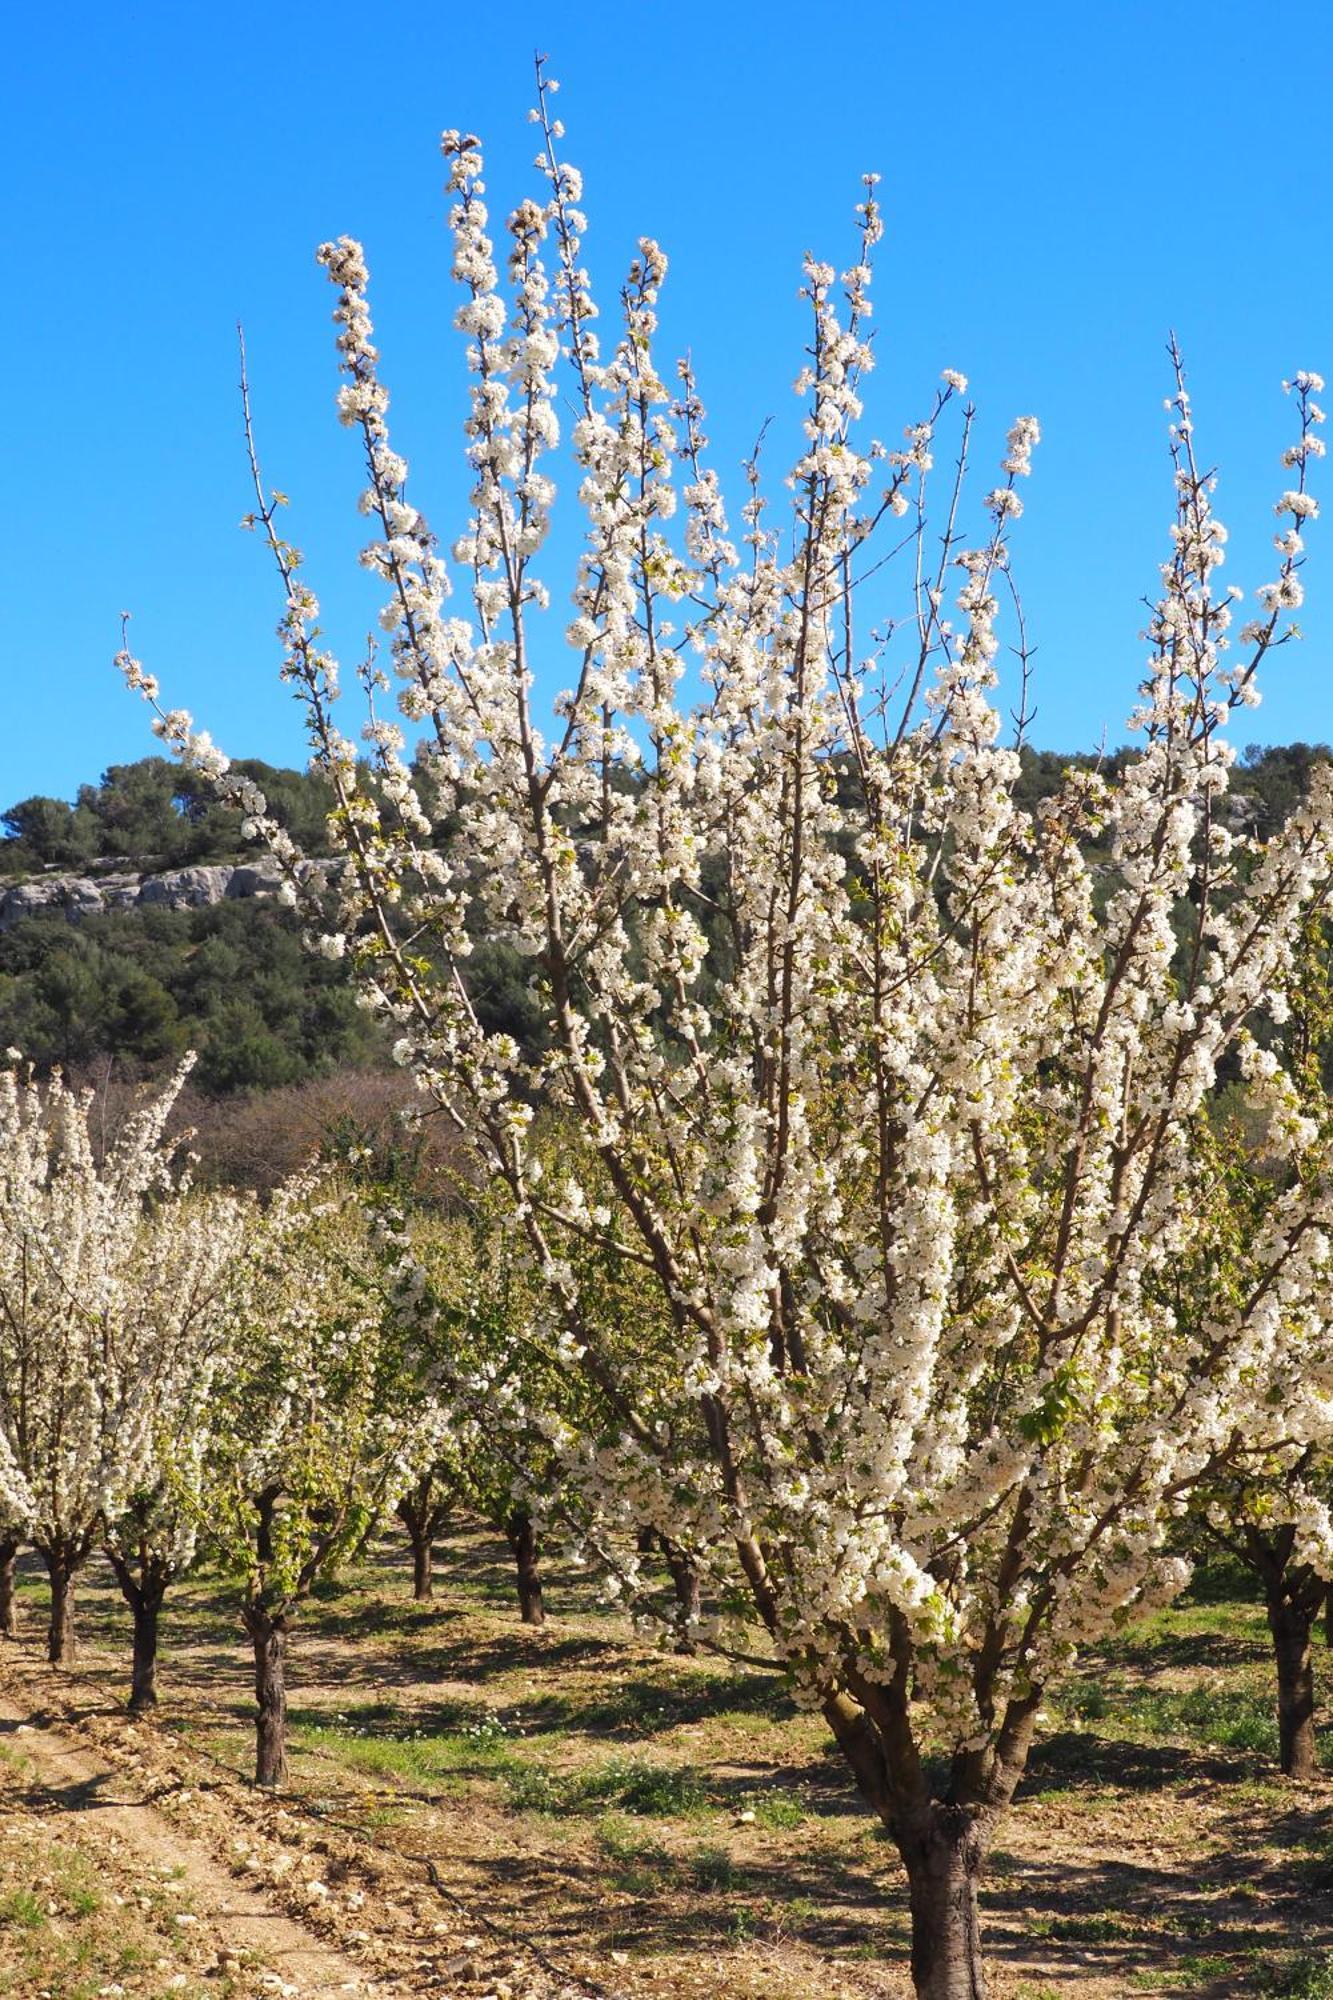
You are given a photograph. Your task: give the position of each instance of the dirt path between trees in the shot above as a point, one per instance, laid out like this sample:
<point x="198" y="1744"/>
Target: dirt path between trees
<point x="79" y="1793"/>
<point x="278" y="1896"/>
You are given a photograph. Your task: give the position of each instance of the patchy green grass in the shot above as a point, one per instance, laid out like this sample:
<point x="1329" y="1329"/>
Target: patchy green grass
<point x="420" y="1755"/>
<point x="1199" y="1672"/>
<point x="1307" y="1977"/>
<point x="1096" y="1928"/>
<point x="629" y="1784"/>
<point x="1193" y="1974"/>
<point x="22" y="1909"/>
<point x="68" y="1932"/>
<point x="779" y="1811"/>
<point x="712" y="1870"/>
<point x="1232" y="1719"/>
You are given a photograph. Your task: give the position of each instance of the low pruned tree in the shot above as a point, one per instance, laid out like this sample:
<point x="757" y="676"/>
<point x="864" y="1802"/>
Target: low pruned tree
<point x="1272" y="1137"/>
<point x="112" y="1276"/>
<point x="317" y="1429"/>
<point x="424" y="1509"/>
<point x="11" y="1541"/>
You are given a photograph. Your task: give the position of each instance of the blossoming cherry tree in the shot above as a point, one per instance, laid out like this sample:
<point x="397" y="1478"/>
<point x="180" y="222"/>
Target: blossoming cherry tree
<point x="886" y="1097"/>
<point x="112" y="1281"/>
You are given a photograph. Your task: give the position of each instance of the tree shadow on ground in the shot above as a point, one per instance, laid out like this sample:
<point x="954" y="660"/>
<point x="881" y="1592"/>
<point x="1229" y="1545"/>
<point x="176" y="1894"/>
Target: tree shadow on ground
<point x="1120" y="1922"/>
<point x="654" y="1702"/>
<point x="1165" y="1651"/>
<point x="1126" y="1921"/>
<point x="683" y="1901"/>
<point x="1071" y="1759"/>
<point x="42" y="1795"/>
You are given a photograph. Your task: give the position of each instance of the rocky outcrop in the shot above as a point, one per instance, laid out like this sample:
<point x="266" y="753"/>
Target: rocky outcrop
<point x="77" y="896"/>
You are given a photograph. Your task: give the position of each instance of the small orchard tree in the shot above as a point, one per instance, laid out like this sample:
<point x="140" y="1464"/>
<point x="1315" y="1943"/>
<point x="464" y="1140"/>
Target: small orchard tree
<point x="468" y="1339"/>
<point x="10" y="1544"/>
<point x="424" y="1509"/>
<point x="512" y="1397"/>
<point x="1271" y="1510"/>
<point x="111" y="1277"/>
<point x="582" y="1423"/>
<point x="11" y="1541"/>
<point x="502" y="1391"/>
<point x="316" y="1429"/>
<point x="386" y="1165"/>
<point x="14" y="1501"/>
<point x="151" y="1538"/>
<point x="1275" y="1521"/>
<point x="895" y="1099"/>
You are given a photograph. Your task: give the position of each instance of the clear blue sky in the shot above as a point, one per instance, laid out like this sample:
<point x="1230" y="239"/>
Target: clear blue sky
<point x="1062" y="185"/>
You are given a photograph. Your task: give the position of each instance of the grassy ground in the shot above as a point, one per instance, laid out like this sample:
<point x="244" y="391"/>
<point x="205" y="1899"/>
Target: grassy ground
<point x="666" y="1825"/>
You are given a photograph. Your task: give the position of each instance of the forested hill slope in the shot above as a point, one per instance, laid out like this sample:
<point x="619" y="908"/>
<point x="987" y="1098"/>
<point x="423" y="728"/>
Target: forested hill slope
<point x="151" y="817"/>
<point x="135" y="922"/>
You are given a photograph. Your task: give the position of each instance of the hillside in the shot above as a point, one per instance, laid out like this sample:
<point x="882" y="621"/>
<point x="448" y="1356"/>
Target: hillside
<point x="135" y="922"/>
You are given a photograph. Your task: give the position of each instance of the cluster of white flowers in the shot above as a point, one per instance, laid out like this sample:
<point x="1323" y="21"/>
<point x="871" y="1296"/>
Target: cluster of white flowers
<point x="112" y="1312"/>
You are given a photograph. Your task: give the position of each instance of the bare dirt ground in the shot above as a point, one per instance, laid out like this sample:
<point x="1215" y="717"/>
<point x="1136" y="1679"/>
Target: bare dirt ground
<point x="570" y="1814"/>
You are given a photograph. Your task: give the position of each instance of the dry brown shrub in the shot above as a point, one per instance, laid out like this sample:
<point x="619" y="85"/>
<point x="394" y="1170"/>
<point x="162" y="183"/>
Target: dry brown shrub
<point x="257" y="1138"/>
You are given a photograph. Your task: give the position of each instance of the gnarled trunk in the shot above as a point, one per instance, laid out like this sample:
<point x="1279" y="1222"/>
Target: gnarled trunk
<point x="1291" y="1620"/>
<point x="422" y="1516"/>
<point x="9" y="1622"/>
<point x="143" y="1589"/>
<point x="143" y="1670"/>
<point x="423" y="1570"/>
<point x="943" y="1849"/>
<point x="1294" y="1595"/>
<point x="942" y="1842"/>
<point x="268" y="1636"/>
<point x="61" y="1640"/>
<point x="522" y="1537"/>
<point x="684" y="1581"/>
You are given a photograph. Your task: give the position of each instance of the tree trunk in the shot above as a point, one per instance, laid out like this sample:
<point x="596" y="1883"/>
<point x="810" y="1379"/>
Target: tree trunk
<point x="420" y="1515"/>
<point x="9" y="1622"/>
<point x="143" y="1589"/>
<point x="419" y="1521"/>
<point x="423" y="1572"/>
<point x="143" y="1673"/>
<point x="61" y="1643"/>
<point x="685" y="1581"/>
<point x="268" y="1636"/>
<point x="942" y="1851"/>
<point x="523" y="1541"/>
<point x="1290" y="1624"/>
